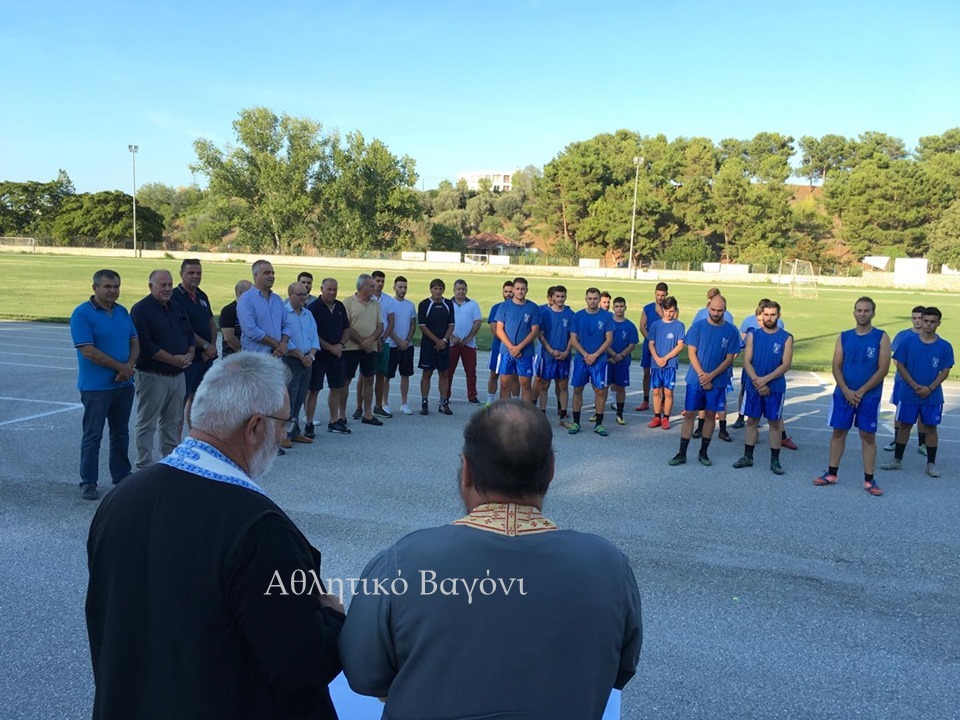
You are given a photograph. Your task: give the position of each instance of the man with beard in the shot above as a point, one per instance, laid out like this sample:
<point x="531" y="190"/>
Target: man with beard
<point x="396" y="645"/>
<point x="189" y="612"/>
<point x="767" y="356"/>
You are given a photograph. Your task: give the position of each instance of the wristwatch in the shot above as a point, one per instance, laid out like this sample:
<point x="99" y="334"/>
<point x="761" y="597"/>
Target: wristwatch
<point x="205" y="346"/>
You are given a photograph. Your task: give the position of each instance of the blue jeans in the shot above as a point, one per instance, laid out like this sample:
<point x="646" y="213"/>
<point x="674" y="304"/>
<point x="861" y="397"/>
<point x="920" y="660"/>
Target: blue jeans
<point x="114" y="407"/>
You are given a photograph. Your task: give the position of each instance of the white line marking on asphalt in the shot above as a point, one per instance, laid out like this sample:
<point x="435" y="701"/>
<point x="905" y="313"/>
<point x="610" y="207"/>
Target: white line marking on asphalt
<point x="40" y="415"/>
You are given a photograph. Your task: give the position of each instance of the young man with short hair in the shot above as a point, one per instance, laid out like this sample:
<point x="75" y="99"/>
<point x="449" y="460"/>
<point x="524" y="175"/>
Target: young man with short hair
<point x="916" y="325"/>
<point x="605" y="300"/>
<point x="712" y="345"/>
<point x="400" y="343"/>
<point x="436" y="317"/>
<point x="556" y="323"/>
<point x="592" y="334"/>
<point x="625" y="339"/>
<point x="665" y="341"/>
<point x="924" y="362"/>
<point x="518" y="324"/>
<point x="767" y="357"/>
<point x="493" y="381"/>
<point x="861" y="359"/>
<point x="306" y="279"/>
<point x="652" y="312"/>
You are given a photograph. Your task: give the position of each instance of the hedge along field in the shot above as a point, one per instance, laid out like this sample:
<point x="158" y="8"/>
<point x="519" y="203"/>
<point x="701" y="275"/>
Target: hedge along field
<point x="48" y="287"/>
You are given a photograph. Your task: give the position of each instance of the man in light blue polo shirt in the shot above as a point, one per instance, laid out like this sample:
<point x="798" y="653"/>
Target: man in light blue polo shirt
<point x="303" y="349"/>
<point x="107" y="347"/>
<point x="263" y="318"/>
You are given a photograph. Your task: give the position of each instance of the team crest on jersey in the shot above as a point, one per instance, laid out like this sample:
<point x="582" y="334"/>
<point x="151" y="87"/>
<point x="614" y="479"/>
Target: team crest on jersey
<point x="776" y="348"/>
<point x="565" y="322"/>
<point x="724" y="342"/>
<point x="871" y="352"/>
<point x="526" y="317"/>
<point x="936" y="361"/>
<point x="600" y="324"/>
<point x="669" y="336"/>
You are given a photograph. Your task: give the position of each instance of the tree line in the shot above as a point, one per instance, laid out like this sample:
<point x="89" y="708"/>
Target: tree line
<point x="285" y="185"/>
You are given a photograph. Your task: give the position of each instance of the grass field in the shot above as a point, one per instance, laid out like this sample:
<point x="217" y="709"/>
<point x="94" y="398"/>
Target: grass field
<point x="47" y="288"/>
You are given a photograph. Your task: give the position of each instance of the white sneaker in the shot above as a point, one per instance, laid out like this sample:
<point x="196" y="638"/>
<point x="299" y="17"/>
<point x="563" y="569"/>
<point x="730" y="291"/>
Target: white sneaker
<point x="387" y="410"/>
<point x="932" y="470"/>
<point x="405" y="409"/>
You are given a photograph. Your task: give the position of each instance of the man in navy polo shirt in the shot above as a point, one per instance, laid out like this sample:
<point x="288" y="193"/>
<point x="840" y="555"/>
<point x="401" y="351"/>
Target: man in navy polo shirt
<point x="167" y="349"/>
<point x="196" y="305"/>
<point x="107" y="348"/>
<point x="333" y="329"/>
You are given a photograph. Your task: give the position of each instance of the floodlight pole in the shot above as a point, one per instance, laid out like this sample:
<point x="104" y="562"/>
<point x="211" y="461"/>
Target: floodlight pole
<point x="133" y="154"/>
<point x="633" y="222"/>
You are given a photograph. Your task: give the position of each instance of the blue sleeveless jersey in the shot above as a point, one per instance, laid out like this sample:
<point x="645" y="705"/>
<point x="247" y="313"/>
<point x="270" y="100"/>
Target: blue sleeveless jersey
<point x="861" y="357"/>
<point x="767" y="356"/>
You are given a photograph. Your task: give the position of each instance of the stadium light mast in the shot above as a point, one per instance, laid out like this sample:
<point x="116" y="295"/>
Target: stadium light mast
<point x="133" y="154"/>
<point x="638" y="161"/>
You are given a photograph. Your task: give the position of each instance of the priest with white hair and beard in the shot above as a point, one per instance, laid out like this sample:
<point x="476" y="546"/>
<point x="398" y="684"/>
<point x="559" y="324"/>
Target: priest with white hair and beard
<point x="185" y="614"/>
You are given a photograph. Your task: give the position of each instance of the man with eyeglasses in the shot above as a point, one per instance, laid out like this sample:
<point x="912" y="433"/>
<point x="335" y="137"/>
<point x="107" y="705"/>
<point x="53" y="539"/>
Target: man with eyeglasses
<point x="303" y="348"/>
<point x="189" y="607"/>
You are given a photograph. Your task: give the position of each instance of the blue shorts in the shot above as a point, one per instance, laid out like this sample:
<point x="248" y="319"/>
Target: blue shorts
<point x="928" y="414"/>
<point x="696" y="398"/>
<point x="663" y="377"/>
<point x="646" y="359"/>
<point x="537" y="364"/>
<point x="494" y="361"/>
<point x="619" y="373"/>
<point x="596" y="374"/>
<point x="843" y="415"/>
<point x="757" y="406"/>
<point x="509" y="365"/>
<point x="897" y="382"/>
<point x="553" y="369"/>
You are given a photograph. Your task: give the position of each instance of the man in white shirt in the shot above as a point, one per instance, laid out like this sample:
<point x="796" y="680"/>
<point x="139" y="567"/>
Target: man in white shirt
<point x="463" y="344"/>
<point x="400" y="343"/>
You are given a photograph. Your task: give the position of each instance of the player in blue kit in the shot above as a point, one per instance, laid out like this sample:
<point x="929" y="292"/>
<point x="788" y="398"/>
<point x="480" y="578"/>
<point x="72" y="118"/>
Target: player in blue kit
<point x="664" y="342"/>
<point x="592" y="334"/>
<point x="861" y="359"/>
<point x="493" y="381"/>
<point x="766" y="358"/>
<point x="916" y="324"/>
<point x="721" y="418"/>
<point x="625" y="339"/>
<point x="556" y="323"/>
<point x="539" y="392"/>
<point x="652" y="312"/>
<point x="518" y="324"/>
<point x="712" y="346"/>
<point x="924" y="362"/>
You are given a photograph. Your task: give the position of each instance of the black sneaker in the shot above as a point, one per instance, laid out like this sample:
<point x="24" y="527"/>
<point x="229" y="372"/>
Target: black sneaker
<point x="725" y="436"/>
<point x="739" y="424"/>
<point x="424" y="408"/>
<point x="372" y="421"/>
<point x="336" y="427"/>
<point x="697" y="433"/>
<point x="357" y="414"/>
<point x="445" y="408"/>
<point x="309" y="431"/>
<point x="88" y="491"/>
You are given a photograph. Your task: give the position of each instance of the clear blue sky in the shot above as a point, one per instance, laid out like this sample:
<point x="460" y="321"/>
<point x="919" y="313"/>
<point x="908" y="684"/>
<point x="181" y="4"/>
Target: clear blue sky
<point x="458" y="86"/>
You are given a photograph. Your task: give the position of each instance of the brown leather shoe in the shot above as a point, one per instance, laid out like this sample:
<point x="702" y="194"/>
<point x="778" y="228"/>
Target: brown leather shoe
<point x="285" y="443"/>
<point x="301" y="439"/>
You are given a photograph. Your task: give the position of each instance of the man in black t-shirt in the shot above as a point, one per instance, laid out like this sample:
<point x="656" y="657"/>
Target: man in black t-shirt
<point x="196" y="305"/>
<point x="229" y="324"/>
<point x="436" y="318"/>
<point x="333" y="328"/>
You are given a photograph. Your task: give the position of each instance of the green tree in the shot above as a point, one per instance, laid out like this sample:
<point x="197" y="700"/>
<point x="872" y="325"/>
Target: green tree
<point x="276" y="169"/>
<point x="945" y="238"/>
<point x="106" y="217"/>
<point x="688" y="248"/>
<point x="371" y="202"/>
<point x="446" y="238"/>
<point x="820" y="156"/>
<point x="31" y="207"/>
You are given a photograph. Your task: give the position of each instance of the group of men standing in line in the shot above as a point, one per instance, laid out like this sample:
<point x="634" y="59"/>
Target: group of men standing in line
<point x="167" y="343"/>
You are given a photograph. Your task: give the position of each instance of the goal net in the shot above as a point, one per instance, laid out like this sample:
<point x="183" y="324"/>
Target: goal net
<point x="798" y="276"/>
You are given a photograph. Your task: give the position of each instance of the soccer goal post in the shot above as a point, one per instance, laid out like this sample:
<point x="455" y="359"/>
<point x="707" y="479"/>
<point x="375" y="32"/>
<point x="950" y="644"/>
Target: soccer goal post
<point x="799" y="277"/>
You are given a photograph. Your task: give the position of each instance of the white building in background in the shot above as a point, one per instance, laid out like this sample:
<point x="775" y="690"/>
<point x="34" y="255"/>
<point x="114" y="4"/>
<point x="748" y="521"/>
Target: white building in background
<point x="499" y="179"/>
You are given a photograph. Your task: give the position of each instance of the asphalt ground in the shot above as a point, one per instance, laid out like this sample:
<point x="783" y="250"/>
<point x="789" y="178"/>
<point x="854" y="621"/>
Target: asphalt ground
<point x="764" y="596"/>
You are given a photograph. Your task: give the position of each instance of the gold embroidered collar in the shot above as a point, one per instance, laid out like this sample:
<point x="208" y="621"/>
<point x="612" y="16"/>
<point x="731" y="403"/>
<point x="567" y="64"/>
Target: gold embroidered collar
<point x="510" y="519"/>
